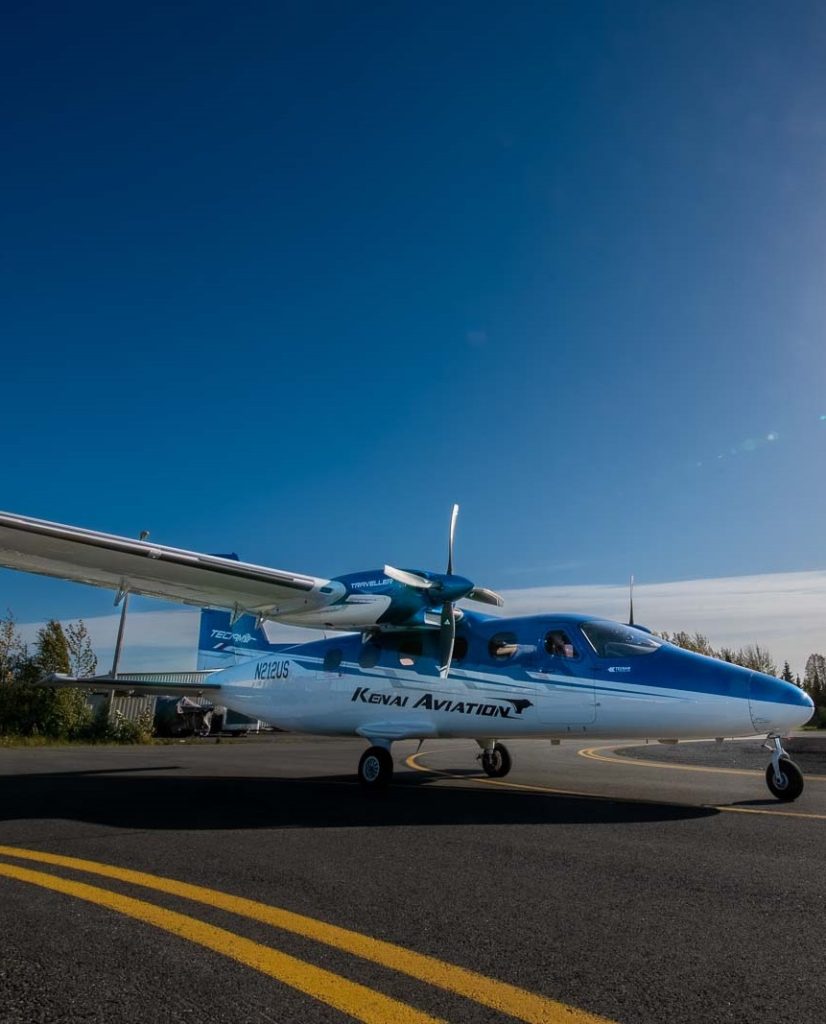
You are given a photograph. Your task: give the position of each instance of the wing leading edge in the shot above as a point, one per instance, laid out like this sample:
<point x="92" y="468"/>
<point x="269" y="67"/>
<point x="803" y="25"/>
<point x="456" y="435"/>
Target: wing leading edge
<point x="155" y="570"/>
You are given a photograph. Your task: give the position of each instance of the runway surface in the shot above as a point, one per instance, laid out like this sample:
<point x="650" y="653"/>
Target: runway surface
<point x="254" y="881"/>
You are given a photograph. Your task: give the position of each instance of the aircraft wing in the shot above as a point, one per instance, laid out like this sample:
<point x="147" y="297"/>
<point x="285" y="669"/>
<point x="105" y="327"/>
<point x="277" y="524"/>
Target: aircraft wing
<point x="154" y="570"/>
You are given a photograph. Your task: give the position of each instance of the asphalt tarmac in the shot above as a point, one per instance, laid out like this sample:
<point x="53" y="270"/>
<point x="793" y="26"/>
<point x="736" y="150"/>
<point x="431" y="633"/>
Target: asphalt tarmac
<point x="254" y="881"/>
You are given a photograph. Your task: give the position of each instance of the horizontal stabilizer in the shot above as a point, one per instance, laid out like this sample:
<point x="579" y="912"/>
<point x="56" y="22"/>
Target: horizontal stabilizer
<point x="165" y="684"/>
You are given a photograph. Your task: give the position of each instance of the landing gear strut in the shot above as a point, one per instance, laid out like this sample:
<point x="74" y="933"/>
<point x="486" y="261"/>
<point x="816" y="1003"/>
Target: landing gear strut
<point x="375" y="768"/>
<point x="783" y="777"/>
<point x="496" y="760"/>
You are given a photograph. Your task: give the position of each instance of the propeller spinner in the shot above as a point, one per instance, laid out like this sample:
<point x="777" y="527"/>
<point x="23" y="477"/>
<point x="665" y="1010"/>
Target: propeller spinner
<point x="445" y="589"/>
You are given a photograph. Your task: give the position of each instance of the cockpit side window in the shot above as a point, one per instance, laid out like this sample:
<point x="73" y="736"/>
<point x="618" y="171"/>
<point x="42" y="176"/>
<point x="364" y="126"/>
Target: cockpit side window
<point x="613" y="640"/>
<point x="558" y="643"/>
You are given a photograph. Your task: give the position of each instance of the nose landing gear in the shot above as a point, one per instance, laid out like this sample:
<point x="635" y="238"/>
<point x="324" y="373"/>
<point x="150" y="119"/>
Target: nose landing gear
<point x="376" y="768"/>
<point x="783" y="777"/>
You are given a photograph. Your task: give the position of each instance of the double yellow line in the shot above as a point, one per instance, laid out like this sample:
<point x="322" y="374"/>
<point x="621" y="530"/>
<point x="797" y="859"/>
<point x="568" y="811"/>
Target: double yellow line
<point x="356" y="1000"/>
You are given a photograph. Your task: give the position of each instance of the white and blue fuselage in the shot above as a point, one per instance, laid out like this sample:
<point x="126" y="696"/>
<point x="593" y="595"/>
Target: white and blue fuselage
<point x="559" y="676"/>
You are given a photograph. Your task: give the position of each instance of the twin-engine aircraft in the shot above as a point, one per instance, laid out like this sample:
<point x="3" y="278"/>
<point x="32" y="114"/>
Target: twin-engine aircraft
<point x="413" y="666"/>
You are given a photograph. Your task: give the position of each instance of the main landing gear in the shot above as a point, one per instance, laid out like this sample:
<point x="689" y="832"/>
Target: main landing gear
<point x="496" y="759"/>
<point x="376" y="765"/>
<point x="376" y="768"/>
<point x="783" y="777"/>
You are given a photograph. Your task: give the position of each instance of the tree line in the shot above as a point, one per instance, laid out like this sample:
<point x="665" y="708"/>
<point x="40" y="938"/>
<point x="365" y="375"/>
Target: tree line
<point x="29" y="710"/>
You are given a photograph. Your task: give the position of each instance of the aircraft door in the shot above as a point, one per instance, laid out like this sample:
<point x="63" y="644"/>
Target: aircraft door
<point x="564" y="678"/>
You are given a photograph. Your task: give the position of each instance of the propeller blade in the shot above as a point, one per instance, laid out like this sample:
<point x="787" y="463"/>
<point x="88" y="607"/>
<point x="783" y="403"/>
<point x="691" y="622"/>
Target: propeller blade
<point x="447" y="639"/>
<point x="453" y="516"/>
<point x="410" y="579"/>
<point x="631" y="602"/>
<point x="485" y="596"/>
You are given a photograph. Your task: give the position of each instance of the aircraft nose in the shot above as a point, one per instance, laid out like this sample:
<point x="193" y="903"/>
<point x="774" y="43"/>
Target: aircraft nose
<point x="777" y="706"/>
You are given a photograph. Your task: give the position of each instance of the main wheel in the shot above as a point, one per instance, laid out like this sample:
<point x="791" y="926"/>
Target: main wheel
<point x="375" y="768"/>
<point x="496" y="762"/>
<point x="791" y="785"/>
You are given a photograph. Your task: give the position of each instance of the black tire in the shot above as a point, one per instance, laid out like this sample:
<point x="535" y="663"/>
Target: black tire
<point x="792" y="780"/>
<point x="496" y="762"/>
<point x="375" y="768"/>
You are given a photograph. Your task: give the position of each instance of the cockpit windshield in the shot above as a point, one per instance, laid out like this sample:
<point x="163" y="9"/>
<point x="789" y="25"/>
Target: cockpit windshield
<point x="613" y="640"/>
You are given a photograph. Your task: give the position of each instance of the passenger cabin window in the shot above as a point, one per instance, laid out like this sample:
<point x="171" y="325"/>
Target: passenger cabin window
<point x="503" y="645"/>
<point x="409" y="651"/>
<point x="612" y="640"/>
<point x="332" y="660"/>
<point x="558" y="643"/>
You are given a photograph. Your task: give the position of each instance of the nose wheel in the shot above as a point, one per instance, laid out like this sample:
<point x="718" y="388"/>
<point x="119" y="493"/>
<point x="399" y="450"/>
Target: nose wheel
<point x="375" y="768"/>
<point x="783" y="777"/>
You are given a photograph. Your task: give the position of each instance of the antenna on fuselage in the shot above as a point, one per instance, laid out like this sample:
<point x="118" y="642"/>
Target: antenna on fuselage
<point x="631" y="601"/>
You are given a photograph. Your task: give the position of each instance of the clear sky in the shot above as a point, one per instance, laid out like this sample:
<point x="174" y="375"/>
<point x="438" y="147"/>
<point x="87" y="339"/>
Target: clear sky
<point x="290" y="279"/>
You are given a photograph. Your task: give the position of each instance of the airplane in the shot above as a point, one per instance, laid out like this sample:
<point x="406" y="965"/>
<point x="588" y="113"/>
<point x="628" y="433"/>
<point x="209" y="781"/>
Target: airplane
<point x="413" y="666"/>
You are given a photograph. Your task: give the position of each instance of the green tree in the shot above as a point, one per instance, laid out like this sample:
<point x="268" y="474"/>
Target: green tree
<point x="814" y="681"/>
<point x="752" y="656"/>
<point x="756" y="658"/>
<point x="12" y="650"/>
<point x="29" y="709"/>
<point x="52" y="651"/>
<point x="82" y="659"/>
<point x="691" y="642"/>
<point x="787" y="673"/>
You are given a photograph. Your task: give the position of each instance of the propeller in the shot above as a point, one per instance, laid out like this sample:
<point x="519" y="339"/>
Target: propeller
<point x="447" y="638"/>
<point x="485" y="596"/>
<point x="454" y="515"/>
<point x="410" y="579"/>
<point x="445" y="590"/>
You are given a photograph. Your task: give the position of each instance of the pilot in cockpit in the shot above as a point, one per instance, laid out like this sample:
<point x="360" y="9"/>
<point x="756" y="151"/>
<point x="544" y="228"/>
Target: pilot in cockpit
<point x="558" y="643"/>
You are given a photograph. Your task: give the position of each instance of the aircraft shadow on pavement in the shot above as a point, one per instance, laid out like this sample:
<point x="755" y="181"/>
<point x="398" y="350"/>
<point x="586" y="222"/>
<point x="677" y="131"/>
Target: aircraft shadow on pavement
<point x="125" y="799"/>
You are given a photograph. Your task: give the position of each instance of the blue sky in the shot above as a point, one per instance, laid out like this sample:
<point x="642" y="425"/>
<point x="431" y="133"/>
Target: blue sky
<point x="291" y="279"/>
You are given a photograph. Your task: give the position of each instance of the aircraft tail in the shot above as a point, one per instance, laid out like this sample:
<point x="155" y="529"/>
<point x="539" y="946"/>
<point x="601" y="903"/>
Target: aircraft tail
<point x="221" y="644"/>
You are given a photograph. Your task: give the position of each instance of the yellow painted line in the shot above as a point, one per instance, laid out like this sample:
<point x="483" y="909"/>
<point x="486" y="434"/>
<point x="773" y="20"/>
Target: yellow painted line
<point x="496" y="995"/>
<point x="597" y="754"/>
<point x="770" y="814"/>
<point x="411" y="762"/>
<point x="356" y="1000"/>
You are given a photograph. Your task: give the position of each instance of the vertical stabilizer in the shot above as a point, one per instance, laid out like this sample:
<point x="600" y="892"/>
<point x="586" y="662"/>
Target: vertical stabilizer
<point x="222" y="643"/>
